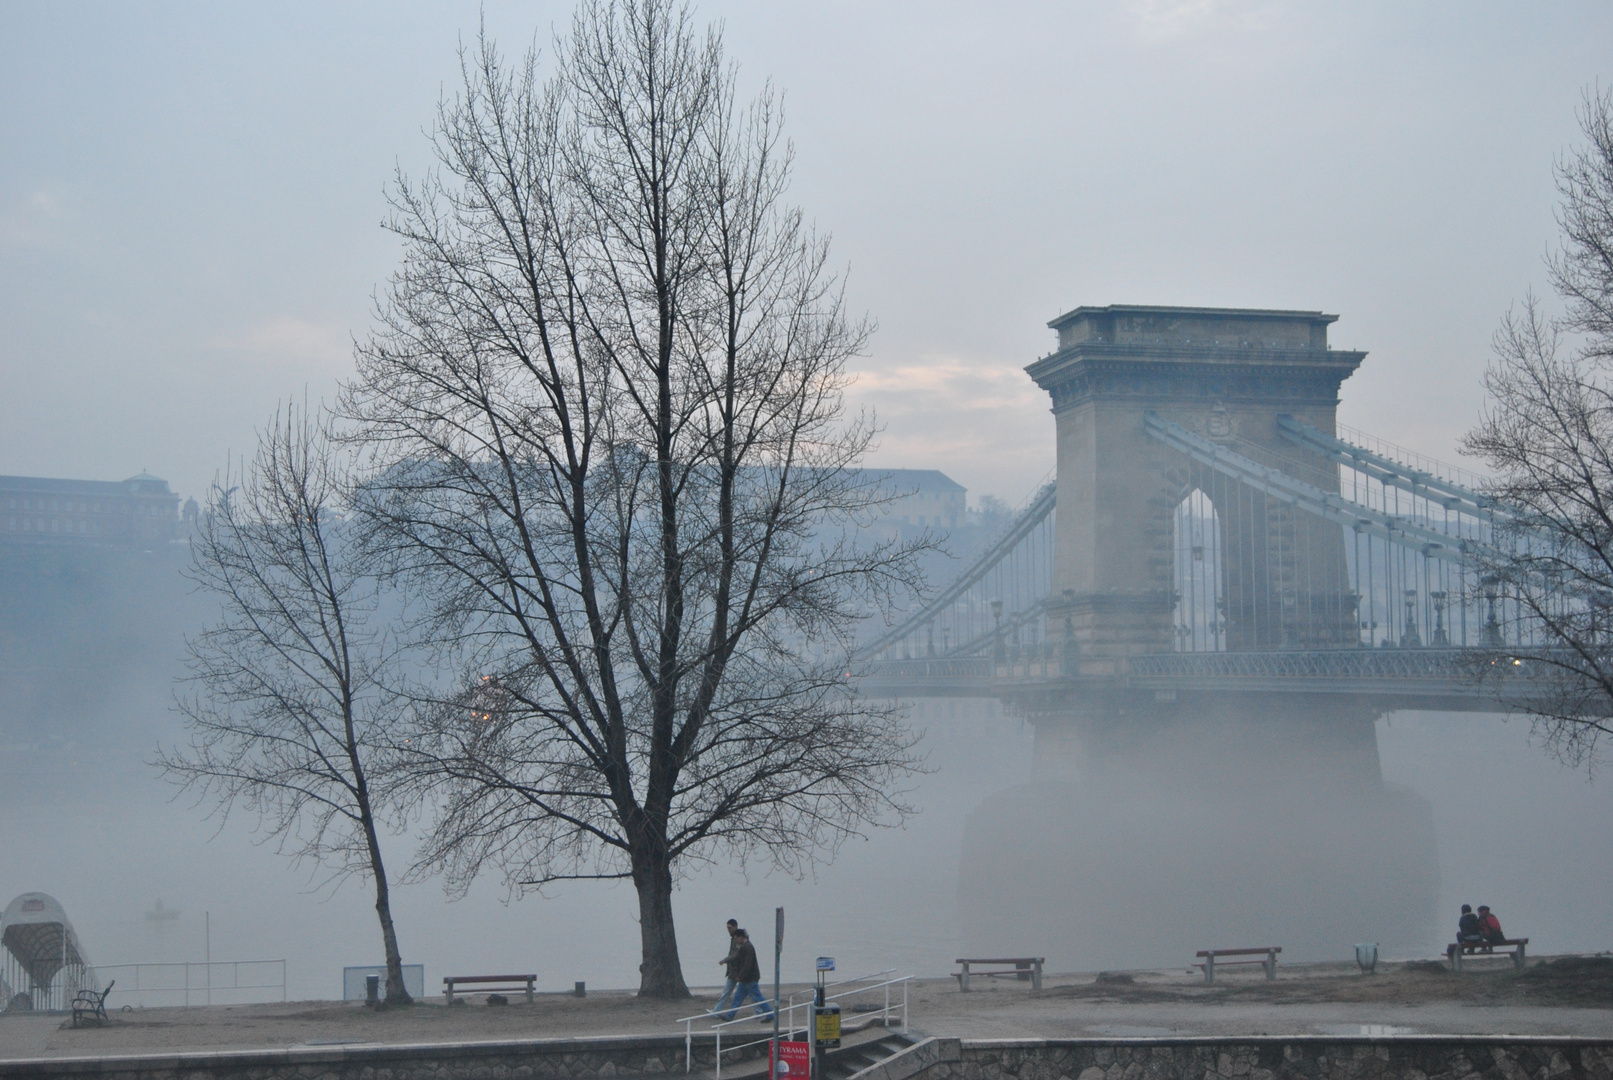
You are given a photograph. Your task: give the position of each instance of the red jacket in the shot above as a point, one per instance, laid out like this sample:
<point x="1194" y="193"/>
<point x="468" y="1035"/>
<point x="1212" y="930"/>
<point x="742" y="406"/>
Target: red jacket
<point x="1490" y="926"/>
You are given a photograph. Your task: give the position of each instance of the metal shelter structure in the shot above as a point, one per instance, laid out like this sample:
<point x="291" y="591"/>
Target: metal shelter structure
<point x="42" y="963"/>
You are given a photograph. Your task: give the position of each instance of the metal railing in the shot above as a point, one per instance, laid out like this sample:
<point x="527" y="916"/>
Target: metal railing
<point x="1454" y="664"/>
<point x="195" y="983"/>
<point x="787" y="1021"/>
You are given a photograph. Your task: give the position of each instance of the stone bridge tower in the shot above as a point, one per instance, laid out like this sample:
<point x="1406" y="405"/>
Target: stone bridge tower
<point x="1225" y="374"/>
<point x="1261" y="805"/>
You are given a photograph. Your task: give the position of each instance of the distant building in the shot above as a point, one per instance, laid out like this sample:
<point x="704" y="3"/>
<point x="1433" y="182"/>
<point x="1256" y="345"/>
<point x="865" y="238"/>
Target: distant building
<point x="38" y="510"/>
<point x="924" y="497"/>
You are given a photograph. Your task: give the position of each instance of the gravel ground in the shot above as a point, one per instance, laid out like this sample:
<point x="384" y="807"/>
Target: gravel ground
<point x="1567" y="997"/>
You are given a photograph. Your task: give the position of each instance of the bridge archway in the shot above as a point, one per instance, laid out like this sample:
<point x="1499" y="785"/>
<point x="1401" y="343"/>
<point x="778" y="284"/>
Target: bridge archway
<point x="1226" y="376"/>
<point x="1199" y="586"/>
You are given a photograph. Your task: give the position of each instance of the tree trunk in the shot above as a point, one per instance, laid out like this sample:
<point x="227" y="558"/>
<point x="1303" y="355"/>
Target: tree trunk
<point x="395" y="992"/>
<point x="661" y="972"/>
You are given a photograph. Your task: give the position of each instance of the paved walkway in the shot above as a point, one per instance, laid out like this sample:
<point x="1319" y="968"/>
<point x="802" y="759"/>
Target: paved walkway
<point x="1303" y="1001"/>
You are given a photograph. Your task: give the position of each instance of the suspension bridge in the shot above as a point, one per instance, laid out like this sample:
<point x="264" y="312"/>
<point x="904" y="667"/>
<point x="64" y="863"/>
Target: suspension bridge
<point x="1213" y="529"/>
<point x="1203" y="617"/>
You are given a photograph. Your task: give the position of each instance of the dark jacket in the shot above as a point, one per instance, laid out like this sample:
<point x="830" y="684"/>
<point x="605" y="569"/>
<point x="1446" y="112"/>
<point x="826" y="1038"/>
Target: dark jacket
<point x="1467" y="928"/>
<point x="745" y="969"/>
<point x="733" y="951"/>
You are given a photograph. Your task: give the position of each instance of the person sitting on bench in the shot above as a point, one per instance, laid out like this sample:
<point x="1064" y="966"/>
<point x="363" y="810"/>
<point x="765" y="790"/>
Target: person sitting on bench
<point x="1468" y="930"/>
<point x="1490" y="926"/>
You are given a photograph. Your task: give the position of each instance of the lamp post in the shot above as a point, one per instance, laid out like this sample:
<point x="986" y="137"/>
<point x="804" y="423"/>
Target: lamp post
<point x="1070" y="660"/>
<point x="1492" y="628"/>
<point x="1410" y="639"/>
<point x="1440" y="639"/>
<point x="999" y="649"/>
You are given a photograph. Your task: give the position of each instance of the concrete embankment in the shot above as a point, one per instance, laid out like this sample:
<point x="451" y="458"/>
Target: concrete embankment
<point x="1401" y="1057"/>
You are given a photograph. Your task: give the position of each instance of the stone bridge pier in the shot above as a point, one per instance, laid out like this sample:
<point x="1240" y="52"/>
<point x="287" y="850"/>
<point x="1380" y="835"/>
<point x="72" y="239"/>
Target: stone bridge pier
<point x="1162" y="822"/>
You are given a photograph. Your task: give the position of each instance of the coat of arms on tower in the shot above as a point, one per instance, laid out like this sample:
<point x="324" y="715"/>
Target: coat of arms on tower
<point x="1219" y="424"/>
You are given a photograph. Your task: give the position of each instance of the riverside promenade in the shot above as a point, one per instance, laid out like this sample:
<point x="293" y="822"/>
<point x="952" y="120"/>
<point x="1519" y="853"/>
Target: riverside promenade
<point x="1565" y="997"/>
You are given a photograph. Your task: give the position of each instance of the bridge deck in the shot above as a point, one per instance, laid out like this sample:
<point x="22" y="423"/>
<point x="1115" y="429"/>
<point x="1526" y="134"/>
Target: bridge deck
<point x="1435" y="679"/>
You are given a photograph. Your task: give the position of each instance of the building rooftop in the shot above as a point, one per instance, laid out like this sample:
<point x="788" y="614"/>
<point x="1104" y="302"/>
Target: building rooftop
<point x="79" y="487"/>
<point x="922" y="479"/>
<point x="1157" y="311"/>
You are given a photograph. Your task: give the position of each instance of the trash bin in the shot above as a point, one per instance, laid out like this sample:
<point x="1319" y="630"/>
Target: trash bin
<point x="372" y="989"/>
<point x="1366" y="957"/>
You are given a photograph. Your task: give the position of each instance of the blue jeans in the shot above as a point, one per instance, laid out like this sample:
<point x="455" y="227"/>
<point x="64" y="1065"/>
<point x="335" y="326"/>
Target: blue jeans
<point x="748" y="992"/>
<point x="727" y="996"/>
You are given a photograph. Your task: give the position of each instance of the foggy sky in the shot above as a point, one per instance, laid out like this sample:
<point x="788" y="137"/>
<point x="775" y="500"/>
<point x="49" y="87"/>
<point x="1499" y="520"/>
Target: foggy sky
<point x="189" y="206"/>
<point x="190" y="195"/>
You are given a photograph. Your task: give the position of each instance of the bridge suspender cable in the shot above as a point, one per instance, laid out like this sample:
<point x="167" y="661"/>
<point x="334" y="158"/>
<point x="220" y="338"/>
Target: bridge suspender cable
<point x="1388" y="471"/>
<point x="1034" y="515"/>
<point x="1312" y="499"/>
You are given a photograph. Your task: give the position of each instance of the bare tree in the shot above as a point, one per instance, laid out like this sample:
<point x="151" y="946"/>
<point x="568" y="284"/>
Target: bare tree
<point x="287" y="715"/>
<point x="1548" y="434"/>
<point x="605" y="403"/>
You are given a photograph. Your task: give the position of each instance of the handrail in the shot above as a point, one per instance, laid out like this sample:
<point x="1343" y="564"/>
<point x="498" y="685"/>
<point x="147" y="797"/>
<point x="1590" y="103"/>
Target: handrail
<point x="787" y="1016"/>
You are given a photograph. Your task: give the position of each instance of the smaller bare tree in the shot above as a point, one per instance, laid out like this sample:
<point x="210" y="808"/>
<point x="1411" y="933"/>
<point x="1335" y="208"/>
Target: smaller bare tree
<point x="1548" y="434"/>
<point x="284" y="703"/>
<point x="1549" y="437"/>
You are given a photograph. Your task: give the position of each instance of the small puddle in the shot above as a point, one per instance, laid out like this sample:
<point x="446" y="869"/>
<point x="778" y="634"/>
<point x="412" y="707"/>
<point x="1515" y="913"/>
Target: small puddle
<point x="1375" y="1031"/>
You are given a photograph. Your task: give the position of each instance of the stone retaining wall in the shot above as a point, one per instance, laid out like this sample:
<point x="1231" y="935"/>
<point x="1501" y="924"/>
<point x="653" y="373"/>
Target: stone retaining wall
<point x="527" y="1059"/>
<point x="1405" y="1057"/>
<point x="1401" y="1057"/>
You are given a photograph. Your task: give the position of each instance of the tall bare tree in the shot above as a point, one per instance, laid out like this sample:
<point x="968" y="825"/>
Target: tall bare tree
<point x="1548" y="434"/>
<point x="605" y="404"/>
<point x="287" y="713"/>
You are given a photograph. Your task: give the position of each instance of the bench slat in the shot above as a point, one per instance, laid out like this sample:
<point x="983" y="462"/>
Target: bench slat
<point x="488" y="978"/>
<point x="1239" y="952"/>
<point x="1010" y="960"/>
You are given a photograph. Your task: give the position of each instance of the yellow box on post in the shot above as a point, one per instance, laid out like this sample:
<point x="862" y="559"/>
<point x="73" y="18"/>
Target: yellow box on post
<point x="828" y="1027"/>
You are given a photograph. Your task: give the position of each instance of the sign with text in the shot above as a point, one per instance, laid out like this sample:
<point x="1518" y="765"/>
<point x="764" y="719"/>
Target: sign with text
<point x="794" y="1060"/>
<point x="826" y="963"/>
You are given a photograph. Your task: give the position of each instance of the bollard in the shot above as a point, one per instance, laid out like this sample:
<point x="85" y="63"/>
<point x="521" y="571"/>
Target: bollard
<point x="579" y="989"/>
<point x="372" y="990"/>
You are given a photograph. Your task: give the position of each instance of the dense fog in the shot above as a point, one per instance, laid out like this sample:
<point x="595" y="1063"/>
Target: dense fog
<point x="189" y="202"/>
<point x="1110" y="870"/>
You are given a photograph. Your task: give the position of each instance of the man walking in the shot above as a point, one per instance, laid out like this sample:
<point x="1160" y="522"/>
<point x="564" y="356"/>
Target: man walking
<point x="747" y="975"/>
<point x="727" y="963"/>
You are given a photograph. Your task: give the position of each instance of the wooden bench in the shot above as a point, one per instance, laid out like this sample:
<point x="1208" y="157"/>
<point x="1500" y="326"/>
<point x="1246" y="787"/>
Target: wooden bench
<point x="1024" y="967"/>
<point x="491" y="983"/>
<point x="1212" y="956"/>
<point x="90" y="1005"/>
<point x="1458" y="949"/>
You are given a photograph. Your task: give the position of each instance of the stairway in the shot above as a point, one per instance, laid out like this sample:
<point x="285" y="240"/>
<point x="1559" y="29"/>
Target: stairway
<point x="847" y="1061"/>
<point x="861" y="1046"/>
